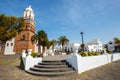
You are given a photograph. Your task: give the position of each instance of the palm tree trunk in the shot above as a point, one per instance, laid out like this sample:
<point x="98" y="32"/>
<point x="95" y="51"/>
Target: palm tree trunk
<point x="53" y="49"/>
<point x="43" y="49"/>
<point x="62" y="48"/>
<point x="39" y="49"/>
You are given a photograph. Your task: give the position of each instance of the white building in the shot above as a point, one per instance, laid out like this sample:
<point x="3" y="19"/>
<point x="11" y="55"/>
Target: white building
<point x="9" y="47"/>
<point x="111" y="46"/>
<point x="73" y="47"/>
<point x="94" y="45"/>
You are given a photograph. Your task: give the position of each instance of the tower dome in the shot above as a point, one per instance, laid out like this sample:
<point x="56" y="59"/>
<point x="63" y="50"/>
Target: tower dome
<point x="29" y="15"/>
<point x="29" y="8"/>
<point x="28" y="12"/>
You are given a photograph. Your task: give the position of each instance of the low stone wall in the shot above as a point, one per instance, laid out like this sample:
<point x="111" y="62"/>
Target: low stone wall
<point x="81" y="64"/>
<point x="29" y="61"/>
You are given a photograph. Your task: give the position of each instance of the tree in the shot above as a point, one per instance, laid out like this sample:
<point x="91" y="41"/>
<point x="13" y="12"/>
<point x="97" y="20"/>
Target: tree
<point x="34" y="38"/>
<point x="82" y="46"/>
<point x="53" y="43"/>
<point x="117" y="41"/>
<point x="42" y="39"/>
<point x="62" y="41"/>
<point x="9" y="27"/>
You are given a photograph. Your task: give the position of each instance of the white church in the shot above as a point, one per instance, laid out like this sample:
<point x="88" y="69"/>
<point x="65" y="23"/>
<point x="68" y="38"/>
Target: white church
<point x="22" y="41"/>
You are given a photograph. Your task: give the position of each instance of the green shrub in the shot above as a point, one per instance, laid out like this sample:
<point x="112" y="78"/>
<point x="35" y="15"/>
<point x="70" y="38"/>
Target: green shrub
<point x="83" y="53"/>
<point x="102" y="52"/>
<point x="96" y="53"/>
<point x="34" y="54"/>
<point x="93" y="53"/>
<point x="109" y="52"/>
<point x="90" y="53"/>
<point x="26" y="54"/>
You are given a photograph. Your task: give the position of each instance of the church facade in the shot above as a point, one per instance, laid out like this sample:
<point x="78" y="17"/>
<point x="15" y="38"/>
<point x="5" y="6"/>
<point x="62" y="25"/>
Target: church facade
<point x="22" y="40"/>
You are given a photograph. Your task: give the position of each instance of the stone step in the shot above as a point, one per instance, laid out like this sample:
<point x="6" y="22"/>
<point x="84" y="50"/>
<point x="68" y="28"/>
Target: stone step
<point x="50" y="74"/>
<point x="51" y="69"/>
<point x="51" y="66"/>
<point x="52" y="63"/>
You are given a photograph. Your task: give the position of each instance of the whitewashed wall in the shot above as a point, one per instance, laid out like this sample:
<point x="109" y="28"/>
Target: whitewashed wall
<point x="82" y="64"/>
<point x="74" y="46"/>
<point x="9" y="48"/>
<point x="29" y="61"/>
<point x="36" y="48"/>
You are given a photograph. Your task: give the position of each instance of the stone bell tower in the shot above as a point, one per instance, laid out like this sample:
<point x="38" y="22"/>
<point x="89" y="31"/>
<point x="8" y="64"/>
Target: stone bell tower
<point x="23" y="39"/>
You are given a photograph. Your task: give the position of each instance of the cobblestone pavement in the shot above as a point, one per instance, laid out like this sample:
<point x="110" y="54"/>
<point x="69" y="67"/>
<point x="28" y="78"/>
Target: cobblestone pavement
<point x="9" y="70"/>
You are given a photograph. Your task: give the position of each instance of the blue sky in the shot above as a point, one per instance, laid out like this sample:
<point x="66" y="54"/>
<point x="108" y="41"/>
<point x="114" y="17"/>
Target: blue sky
<point x="96" y="18"/>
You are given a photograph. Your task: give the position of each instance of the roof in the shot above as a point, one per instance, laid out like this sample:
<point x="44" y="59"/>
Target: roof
<point x="29" y="8"/>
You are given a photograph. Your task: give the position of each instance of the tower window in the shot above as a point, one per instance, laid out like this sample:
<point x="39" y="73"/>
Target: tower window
<point x="30" y="15"/>
<point x="23" y="37"/>
<point x="25" y="15"/>
<point x="7" y="44"/>
<point x="11" y="44"/>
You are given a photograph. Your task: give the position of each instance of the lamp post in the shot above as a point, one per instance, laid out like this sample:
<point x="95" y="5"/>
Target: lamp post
<point x="82" y="40"/>
<point x="82" y="37"/>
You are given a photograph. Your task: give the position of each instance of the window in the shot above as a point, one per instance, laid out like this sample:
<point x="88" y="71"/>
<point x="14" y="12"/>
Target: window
<point x="23" y="37"/>
<point x="110" y="43"/>
<point x="11" y="44"/>
<point x="7" y="44"/>
<point x="30" y="15"/>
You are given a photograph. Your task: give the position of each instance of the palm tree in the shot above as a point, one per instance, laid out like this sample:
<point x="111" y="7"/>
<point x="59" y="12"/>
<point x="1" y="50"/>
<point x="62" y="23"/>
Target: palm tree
<point x="34" y="38"/>
<point x="44" y="44"/>
<point x="42" y="39"/>
<point x="62" y="41"/>
<point x="53" y="43"/>
<point x="9" y="27"/>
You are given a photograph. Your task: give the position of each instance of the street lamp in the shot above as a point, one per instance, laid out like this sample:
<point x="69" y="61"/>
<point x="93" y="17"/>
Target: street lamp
<point x="82" y="37"/>
<point x="82" y="40"/>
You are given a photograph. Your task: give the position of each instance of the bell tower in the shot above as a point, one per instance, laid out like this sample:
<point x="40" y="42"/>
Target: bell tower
<point x="29" y="16"/>
<point x="23" y="39"/>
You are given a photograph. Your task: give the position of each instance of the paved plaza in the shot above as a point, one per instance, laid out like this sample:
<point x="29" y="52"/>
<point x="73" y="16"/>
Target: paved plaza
<point x="9" y="70"/>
